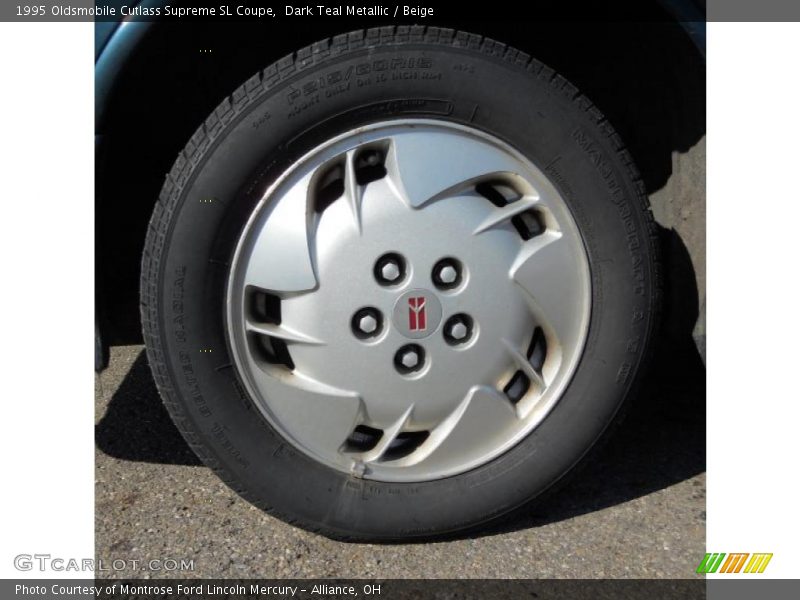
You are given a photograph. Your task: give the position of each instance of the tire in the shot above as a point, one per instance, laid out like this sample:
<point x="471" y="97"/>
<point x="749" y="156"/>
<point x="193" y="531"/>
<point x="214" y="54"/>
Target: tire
<point x="280" y="115"/>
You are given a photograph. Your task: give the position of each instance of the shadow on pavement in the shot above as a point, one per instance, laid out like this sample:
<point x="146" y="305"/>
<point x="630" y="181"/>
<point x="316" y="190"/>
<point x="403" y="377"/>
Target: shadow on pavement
<point x="136" y="426"/>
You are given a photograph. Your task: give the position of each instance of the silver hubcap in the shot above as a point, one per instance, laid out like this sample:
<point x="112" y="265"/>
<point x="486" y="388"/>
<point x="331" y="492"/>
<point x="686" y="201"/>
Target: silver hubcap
<point x="408" y="300"/>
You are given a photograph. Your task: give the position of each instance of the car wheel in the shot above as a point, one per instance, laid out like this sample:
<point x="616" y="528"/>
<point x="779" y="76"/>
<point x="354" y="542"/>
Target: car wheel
<point x="399" y="283"/>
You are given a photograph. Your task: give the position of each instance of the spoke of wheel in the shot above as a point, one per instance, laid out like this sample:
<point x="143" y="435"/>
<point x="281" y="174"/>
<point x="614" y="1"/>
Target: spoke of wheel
<point x="549" y="272"/>
<point x="352" y="191"/>
<point x="525" y="366"/>
<point x="281" y="332"/>
<point x="425" y="166"/>
<point x="280" y="259"/>
<point x="483" y="410"/>
<point x="501" y="215"/>
<point x="389" y="435"/>
<point x="323" y="417"/>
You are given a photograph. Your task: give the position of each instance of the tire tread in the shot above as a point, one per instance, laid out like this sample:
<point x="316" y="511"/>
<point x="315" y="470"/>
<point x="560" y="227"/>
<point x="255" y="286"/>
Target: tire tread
<point x="250" y="91"/>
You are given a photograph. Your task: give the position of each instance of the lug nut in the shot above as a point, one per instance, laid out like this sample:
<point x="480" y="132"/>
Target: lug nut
<point x="390" y="269"/>
<point x="458" y="329"/>
<point x="366" y="323"/>
<point x="447" y="274"/>
<point x="409" y="359"/>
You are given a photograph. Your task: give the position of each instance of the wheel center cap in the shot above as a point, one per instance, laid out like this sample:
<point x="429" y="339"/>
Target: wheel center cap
<point x="417" y="313"/>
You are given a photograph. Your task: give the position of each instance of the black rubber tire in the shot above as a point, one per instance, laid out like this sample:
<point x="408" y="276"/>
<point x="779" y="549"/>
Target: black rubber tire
<point x="278" y="115"/>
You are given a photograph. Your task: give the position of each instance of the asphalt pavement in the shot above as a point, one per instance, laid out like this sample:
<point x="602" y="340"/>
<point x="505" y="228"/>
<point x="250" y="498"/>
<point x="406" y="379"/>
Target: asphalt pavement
<point x="636" y="510"/>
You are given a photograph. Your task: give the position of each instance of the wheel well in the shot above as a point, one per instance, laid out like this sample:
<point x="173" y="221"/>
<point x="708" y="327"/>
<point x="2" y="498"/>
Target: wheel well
<point x="648" y="79"/>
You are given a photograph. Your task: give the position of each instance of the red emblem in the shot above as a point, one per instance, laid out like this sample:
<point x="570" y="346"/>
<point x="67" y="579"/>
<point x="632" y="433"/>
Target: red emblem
<point x="416" y="314"/>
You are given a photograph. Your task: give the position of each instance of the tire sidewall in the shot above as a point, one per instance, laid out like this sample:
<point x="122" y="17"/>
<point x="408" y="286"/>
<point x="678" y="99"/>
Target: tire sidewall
<point x="265" y="131"/>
